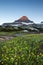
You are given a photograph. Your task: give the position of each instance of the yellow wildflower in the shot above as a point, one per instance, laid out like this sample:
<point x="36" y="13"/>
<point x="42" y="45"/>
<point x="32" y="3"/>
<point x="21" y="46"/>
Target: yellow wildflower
<point x="2" y="63"/>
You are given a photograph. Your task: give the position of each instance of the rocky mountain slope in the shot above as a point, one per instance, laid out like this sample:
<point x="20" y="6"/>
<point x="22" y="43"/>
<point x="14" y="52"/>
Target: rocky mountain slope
<point x="23" y="23"/>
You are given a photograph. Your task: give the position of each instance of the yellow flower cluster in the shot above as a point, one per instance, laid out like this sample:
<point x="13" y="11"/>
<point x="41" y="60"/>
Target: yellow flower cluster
<point x="41" y="54"/>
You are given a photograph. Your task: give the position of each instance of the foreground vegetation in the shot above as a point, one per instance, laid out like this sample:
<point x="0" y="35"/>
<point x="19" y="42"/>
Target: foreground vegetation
<point x="22" y="50"/>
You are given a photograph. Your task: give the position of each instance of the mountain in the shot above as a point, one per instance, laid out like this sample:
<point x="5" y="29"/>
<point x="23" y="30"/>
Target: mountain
<point x="23" y="19"/>
<point x="24" y="23"/>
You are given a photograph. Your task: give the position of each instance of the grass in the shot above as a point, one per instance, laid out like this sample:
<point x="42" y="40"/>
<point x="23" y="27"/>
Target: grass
<point x="9" y="33"/>
<point x="22" y="50"/>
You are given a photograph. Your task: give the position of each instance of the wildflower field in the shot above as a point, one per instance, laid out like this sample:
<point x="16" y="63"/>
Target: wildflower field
<point x="22" y="50"/>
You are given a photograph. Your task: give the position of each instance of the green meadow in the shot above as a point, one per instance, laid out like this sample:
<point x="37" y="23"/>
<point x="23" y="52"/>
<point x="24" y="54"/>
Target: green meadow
<point x="22" y="50"/>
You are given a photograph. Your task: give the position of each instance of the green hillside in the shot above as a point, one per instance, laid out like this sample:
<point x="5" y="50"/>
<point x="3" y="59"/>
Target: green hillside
<point x="22" y="50"/>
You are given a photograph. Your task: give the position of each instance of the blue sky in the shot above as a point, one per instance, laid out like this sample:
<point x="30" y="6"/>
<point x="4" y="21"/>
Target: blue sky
<point x="11" y="10"/>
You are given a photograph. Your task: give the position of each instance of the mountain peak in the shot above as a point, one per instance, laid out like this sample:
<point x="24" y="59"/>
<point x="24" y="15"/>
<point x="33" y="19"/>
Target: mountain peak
<point x="24" y="18"/>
